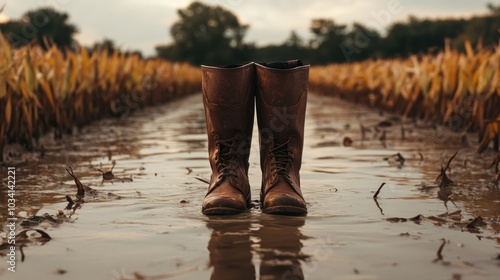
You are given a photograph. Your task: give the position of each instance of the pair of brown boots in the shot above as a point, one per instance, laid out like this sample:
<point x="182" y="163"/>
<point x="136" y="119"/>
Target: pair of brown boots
<point x="279" y="90"/>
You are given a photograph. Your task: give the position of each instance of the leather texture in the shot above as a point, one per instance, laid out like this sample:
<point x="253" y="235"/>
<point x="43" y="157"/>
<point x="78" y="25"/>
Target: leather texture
<point x="281" y="98"/>
<point x="228" y="98"/>
<point x="279" y="91"/>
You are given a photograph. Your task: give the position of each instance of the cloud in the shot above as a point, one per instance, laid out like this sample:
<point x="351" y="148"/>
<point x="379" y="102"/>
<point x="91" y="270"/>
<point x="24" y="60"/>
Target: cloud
<point x="144" y="24"/>
<point x="3" y="18"/>
<point x="131" y="24"/>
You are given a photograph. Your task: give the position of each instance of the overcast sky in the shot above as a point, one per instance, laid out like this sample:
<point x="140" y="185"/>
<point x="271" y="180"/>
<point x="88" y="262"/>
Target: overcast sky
<point x="143" y="24"/>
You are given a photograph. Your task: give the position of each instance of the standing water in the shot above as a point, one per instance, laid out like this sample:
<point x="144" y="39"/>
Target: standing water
<point x="146" y="222"/>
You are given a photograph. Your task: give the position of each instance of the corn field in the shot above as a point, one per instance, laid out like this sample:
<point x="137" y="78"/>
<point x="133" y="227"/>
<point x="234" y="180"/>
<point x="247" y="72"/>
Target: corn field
<point x="460" y="90"/>
<point x="43" y="90"/>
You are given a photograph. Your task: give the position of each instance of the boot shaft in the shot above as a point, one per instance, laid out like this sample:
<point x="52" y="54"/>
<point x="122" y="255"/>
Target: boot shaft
<point x="228" y="86"/>
<point x="281" y="98"/>
<point x="228" y="98"/>
<point x="279" y="90"/>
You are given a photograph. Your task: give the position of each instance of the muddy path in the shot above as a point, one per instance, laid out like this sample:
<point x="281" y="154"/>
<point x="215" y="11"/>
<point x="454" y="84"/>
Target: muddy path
<point x="152" y="226"/>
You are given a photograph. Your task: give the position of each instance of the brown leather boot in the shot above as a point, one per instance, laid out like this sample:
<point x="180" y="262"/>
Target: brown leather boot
<point x="281" y="98"/>
<point x="228" y="97"/>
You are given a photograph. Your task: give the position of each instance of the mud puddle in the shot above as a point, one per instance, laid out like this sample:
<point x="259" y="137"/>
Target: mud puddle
<point x="151" y="226"/>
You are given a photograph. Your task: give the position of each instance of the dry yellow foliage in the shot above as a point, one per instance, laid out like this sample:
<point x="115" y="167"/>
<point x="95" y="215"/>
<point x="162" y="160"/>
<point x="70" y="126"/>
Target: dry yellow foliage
<point x="41" y="89"/>
<point x="461" y="88"/>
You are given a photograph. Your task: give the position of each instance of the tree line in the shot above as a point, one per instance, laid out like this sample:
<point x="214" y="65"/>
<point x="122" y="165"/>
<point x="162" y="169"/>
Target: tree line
<point x="206" y="34"/>
<point x="47" y="27"/>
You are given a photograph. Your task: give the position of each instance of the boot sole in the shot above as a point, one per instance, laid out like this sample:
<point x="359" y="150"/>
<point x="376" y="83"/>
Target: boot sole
<point x="222" y="211"/>
<point x="285" y="210"/>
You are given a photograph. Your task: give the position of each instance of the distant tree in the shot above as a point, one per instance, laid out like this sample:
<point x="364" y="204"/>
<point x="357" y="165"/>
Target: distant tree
<point x="328" y="37"/>
<point x="420" y="35"/>
<point x="291" y="48"/>
<point x="206" y="35"/>
<point x="105" y="45"/>
<point x="212" y="35"/>
<point x="109" y="46"/>
<point x="361" y="43"/>
<point x="294" y="40"/>
<point x="42" y="26"/>
<point x="485" y="30"/>
<point x="11" y="28"/>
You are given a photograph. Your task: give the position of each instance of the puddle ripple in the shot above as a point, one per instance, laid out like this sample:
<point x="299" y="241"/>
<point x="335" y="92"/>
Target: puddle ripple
<point x="156" y="230"/>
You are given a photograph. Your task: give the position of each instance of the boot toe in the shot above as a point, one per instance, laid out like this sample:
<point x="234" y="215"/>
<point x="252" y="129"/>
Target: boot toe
<point x="284" y="204"/>
<point x="224" y="205"/>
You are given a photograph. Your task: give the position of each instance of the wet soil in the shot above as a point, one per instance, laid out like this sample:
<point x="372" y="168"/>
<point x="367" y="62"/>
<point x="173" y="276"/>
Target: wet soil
<point x="146" y="223"/>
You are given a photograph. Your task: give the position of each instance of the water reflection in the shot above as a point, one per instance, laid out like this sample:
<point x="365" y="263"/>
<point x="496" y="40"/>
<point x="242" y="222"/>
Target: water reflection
<point x="275" y="241"/>
<point x="230" y="249"/>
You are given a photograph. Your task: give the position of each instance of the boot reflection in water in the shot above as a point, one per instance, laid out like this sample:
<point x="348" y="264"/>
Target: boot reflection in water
<point x="230" y="249"/>
<point x="279" y="90"/>
<point x="277" y="241"/>
<point x="280" y="248"/>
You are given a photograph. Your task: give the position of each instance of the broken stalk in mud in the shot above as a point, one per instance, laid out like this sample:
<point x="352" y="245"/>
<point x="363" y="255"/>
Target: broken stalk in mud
<point x="445" y="180"/>
<point x="378" y="190"/>
<point x="445" y="191"/>
<point x="378" y="206"/>
<point x="439" y="251"/>
<point x="80" y="188"/>
<point x="202" y="180"/>
<point x="396" y="159"/>
<point x="375" y="198"/>
<point x="108" y="175"/>
<point x="85" y="190"/>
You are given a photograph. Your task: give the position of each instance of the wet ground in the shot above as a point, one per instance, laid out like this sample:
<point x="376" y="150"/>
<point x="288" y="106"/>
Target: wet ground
<point x="152" y="227"/>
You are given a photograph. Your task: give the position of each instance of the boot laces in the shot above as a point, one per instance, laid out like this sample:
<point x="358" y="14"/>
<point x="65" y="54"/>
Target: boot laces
<point x="226" y="159"/>
<point x="282" y="160"/>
